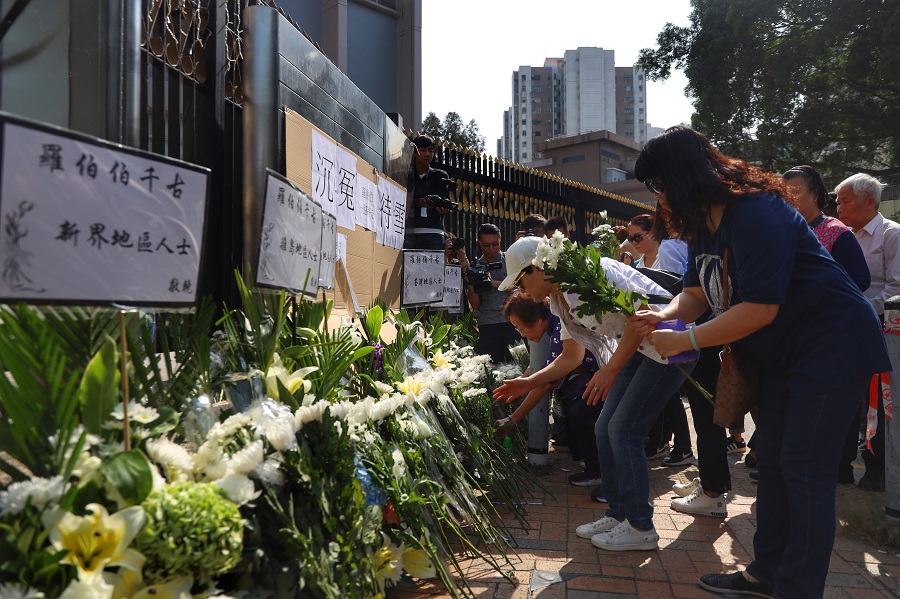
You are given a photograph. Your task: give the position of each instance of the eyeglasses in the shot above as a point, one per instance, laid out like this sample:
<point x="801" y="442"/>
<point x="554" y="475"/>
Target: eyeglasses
<point x="525" y="271"/>
<point x="637" y="237"/>
<point x="654" y="185"/>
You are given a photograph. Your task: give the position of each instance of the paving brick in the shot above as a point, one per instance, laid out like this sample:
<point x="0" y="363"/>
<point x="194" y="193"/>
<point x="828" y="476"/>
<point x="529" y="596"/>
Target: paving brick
<point x="602" y="584"/>
<point x="654" y="590"/>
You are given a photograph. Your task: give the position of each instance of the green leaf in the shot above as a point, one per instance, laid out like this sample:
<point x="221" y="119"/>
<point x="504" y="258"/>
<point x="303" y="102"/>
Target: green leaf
<point x="99" y="390"/>
<point x="374" y="320"/>
<point x="130" y="473"/>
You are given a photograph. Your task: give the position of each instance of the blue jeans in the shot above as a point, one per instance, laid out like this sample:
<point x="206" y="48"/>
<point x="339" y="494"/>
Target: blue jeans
<point x="798" y="446"/>
<point x="639" y="394"/>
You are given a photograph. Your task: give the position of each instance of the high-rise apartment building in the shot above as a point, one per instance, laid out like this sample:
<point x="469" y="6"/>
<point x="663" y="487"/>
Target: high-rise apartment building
<point x="582" y="92"/>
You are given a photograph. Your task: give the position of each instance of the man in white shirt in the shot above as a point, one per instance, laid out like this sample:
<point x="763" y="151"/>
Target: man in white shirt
<point x="858" y="198"/>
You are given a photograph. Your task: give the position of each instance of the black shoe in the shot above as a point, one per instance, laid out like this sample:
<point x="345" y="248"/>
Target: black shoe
<point x="585" y="479"/>
<point x="872" y="481"/>
<point x="754" y="475"/>
<point x="735" y="583"/>
<point x="597" y="495"/>
<point x="750" y="461"/>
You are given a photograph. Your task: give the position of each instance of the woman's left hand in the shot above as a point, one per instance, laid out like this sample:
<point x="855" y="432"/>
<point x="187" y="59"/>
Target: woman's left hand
<point x="670" y="343"/>
<point x="512" y="389"/>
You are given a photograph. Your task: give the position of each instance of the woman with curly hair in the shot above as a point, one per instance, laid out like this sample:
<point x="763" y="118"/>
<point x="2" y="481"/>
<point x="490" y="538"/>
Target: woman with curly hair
<point x="792" y="309"/>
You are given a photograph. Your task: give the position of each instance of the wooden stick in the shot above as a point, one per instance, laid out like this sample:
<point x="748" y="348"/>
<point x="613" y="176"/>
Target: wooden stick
<point x="123" y="345"/>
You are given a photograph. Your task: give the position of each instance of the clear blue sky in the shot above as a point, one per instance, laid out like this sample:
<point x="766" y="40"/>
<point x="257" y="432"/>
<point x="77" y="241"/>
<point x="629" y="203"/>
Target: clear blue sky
<point x="477" y="44"/>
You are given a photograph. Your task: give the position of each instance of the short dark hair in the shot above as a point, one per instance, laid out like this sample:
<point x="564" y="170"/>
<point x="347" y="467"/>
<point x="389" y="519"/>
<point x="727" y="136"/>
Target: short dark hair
<point x="488" y="229"/>
<point x="556" y="223"/>
<point x="533" y="221"/>
<point x="525" y="308"/>
<point x="423" y="141"/>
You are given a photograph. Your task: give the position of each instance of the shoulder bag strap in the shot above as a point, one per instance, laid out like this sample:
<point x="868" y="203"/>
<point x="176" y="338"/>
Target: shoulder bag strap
<point x="725" y="276"/>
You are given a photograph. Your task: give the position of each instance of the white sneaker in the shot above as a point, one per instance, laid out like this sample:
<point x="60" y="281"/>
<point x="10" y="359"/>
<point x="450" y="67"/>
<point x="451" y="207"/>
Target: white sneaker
<point x="625" y="537"/>
<point x="701" y="504"/>
<point x="683" y="490"/>
<point x="586" y="531"/>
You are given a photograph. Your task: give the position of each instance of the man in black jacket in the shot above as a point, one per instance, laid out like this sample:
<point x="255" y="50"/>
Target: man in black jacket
<point x="425" y="225"/>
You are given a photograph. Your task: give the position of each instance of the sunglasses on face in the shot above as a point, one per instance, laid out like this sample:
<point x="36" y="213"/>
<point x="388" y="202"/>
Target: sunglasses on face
<point x="637" y="237"/>
<point x="654" y="185"/>
<point x="525" y="271"/>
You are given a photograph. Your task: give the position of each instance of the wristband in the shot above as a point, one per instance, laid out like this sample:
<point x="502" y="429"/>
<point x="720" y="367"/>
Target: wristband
<point x="693" y="338"/>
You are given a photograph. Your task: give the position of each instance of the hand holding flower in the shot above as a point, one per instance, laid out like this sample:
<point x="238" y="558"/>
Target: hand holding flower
<point x="645" y="322"/>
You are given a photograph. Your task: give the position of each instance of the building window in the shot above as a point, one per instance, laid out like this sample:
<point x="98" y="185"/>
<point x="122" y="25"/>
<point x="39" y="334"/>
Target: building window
<point x="535" y="89"/>
<point x="628" y="88"/>
<point x="535" y="121"/>
<point x="628" y="99"/>
<point x="523" y="77"/>
<point x="641" y="110"/>
<point x="628" y="110"/>
<point x="610" y="155"/>
<point x="524" y="154"/>
<point x="535" y="77"/>
<point x="640" y="88"/>
<point x="629" y="121"/>
<point x="524" y="144"/>
<point x="536" y="110"/>
<point x="576" y="158"/>
<point x="537" y="133"/>
<point x="524" y="121"/>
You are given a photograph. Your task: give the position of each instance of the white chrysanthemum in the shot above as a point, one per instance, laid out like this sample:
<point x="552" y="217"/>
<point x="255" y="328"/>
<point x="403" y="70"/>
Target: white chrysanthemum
<point x="399" y="467"/>
<point x="137" y="412"/>
<point x="474" y="392"/>
<point x="308" y="400"/>
<point x="247" y="459"/>
<point x="222" y="432"/>
<point x="384" y="408"/>
<point x="280" y="432"/>
<point x="13" y="590"/>
<point x="40" y="492"/>
<point x="270" y="471"/>
<point x="175" y="459"/>
<point x="339" y="427"/>
<point x="340" y="410"/>
<point x="306" y="414"/>
<point x="238" y="488"/>
<point x="359" y="412"/>
<point x="383" y="387"/>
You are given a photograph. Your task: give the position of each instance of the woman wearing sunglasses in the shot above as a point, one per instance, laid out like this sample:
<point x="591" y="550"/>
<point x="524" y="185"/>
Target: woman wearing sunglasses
<point x="796" y="312"/>
<point x="656" y="251"/>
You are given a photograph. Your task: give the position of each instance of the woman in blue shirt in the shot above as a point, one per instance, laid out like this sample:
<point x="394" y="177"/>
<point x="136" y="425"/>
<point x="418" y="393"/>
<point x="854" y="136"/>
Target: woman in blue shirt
<point x="795" y="311"/>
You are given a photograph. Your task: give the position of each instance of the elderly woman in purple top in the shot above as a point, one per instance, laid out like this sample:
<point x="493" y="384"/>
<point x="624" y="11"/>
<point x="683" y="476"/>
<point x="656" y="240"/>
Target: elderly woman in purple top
<point x="532" y="319"/>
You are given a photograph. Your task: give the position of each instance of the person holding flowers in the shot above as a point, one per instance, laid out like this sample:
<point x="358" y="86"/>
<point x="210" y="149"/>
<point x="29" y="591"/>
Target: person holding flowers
<point x="794" y="311"/>
<point x="592" y="294"/>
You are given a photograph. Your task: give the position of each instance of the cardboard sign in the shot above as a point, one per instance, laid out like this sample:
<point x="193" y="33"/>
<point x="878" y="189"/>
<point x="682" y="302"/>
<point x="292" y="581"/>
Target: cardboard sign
<point x="290" y="244"/>
<point x="453" y="287"/>
<point x="88" y="221"/>
<point x="329" y="251"/>
<point x="423" y="277"/>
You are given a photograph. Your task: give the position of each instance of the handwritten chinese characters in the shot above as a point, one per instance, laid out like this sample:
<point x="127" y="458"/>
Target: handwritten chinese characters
<point x="85" y="221"/>
<point x="423" y="277"/>
<point x="290" y="252"/>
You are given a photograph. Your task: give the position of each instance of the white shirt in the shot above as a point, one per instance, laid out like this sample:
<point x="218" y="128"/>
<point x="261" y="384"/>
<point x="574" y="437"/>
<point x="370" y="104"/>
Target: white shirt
<point x="602" y="338"/>
<point x="880" y="242"/>
<point x="672" y="255"/>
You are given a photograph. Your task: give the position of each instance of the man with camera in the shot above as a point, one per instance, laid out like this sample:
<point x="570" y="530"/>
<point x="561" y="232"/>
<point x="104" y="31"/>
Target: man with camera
<point x="430" y="189"/>
<point x="484" y="275"/>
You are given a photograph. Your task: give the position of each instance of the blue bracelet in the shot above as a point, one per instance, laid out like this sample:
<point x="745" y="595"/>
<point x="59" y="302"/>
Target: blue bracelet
<point x="693" y="339"/>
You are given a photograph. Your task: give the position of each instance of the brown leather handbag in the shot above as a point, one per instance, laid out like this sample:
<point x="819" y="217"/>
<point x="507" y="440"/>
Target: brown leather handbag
<point x="738" y="385"/>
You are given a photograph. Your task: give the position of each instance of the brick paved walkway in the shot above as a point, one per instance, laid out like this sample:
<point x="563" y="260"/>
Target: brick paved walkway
<point x="553" y="563"/>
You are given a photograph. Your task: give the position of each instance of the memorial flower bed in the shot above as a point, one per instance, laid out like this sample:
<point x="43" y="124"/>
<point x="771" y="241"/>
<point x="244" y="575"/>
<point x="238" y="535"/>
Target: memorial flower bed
<point x="275" y="458"/>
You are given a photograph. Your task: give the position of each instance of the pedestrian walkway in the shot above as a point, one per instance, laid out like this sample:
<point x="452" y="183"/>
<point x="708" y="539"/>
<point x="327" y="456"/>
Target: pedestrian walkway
<point x="553" y="563"/>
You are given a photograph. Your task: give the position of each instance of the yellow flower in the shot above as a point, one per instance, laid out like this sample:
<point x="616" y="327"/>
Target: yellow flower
<point x="410" y="385"/>
<point x="417" y="564"/>
<point x="97" y="540"/>
<point x="292" y="382"/>
<point x="438" y="360"/>
<point x="388" y="562"/>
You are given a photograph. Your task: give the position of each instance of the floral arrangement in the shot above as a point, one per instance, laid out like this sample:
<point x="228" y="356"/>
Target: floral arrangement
<point x="579" y="269"/>
<point x="276" y="457"/>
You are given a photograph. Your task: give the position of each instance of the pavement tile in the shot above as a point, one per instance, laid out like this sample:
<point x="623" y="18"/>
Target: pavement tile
<point x="654" y="590"/>
<point x="602" y="584"/>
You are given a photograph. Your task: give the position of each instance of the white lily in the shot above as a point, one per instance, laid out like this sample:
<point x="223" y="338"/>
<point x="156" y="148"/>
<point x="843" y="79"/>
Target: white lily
<point x="417" y="563"/>
<point x="291" y="381"/>
<point x="97" y="540"/>
<point x="177" y="588"/>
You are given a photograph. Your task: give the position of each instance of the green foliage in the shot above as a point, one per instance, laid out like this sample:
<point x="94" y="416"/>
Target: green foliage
<point x="191" y="529"/>
<point x="580" y="271"/>
<point x="781" y="82"/>
<point x="130" y="474"/>
<point x="453" y="130"/>
<point x="98" y="393"/>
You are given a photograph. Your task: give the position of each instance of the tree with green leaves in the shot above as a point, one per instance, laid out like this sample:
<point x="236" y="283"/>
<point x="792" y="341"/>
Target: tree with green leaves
<point x="786" y="82"/>
<point x="453" y="129"/>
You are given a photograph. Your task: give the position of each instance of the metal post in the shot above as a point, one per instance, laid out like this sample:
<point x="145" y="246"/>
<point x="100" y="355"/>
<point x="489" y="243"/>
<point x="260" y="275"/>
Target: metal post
<point x="891" y="428"/>
<point x="539" y="416"/>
